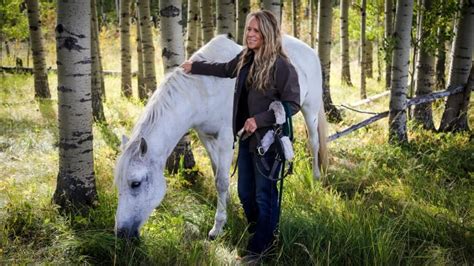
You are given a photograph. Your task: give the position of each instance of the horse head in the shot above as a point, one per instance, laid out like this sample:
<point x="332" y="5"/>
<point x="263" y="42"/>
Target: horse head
<point x="141" y="187"/>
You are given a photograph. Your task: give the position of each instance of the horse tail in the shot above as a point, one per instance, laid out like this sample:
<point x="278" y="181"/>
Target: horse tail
<point x="323" y="147"/>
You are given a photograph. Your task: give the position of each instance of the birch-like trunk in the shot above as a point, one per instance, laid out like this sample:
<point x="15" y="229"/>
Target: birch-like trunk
<point x="148" y="47"/>
<point x="295" y="7"/>
<point x="243" y="11"/>
<point x="173" y="55"/>
<point x="313" y="9"/>
<point x="193" y="19"/>
<point x="369" y="57"/>
<point x="39" y="63"/>
<point x="345" y="70"/>
<point x="399" y="82"/>
<point x="141" y="72"/>
<point x="454" y="119"/>
<point x="226" y="17"/>
<point x="271" y="5"/>
<point x="97" y="107"/>
<point x="206" y="20"/>
<point x="172" y="42"/>
<point x="441" y="59"/>
<point x="324" y="50"/>
<point x="424" y="82"/>
<point x="388" y="36"/>
<point x="75" y="183"/>
<point x="363" y="47"/>
<point x="125" y="56"/>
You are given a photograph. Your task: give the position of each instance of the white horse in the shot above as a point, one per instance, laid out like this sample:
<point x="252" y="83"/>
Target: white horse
<point x="204" y="103"/>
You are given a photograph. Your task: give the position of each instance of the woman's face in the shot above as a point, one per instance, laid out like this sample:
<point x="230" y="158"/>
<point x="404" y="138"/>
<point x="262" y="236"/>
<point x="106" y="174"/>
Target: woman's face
<point x="254" y="36"/>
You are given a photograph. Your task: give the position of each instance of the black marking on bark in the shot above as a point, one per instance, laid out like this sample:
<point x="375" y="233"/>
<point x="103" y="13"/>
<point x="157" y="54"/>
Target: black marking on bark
<point x="60" y="29"/>
<point x="245" y="10"/>
<point x="33" y="28"/>
<point x="85" y="100"/>
<point x="80" y="133"/>
<point x="87" y="151"/>
<point x="67" y="146"/>
<point x="167" y="53"/>
<point x="59" y="63"/>
<point x="78" y="75"/>
<point x="170" y="11"/>
<point x="64" y="89"/>
<point x="90" y="138"/>
<point x="65" y="106"/>
<point x="84" y="62"/>
<point x="70" y="43"/>
<point x="220" y="17"/>
<point x="181" y="23"/>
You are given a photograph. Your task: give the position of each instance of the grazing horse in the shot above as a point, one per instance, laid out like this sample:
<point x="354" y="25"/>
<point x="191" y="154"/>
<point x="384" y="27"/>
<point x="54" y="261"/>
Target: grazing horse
<point x="204" y="103"/>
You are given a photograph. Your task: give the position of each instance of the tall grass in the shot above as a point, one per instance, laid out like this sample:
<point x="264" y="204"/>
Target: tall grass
<point x="380" y="204"/>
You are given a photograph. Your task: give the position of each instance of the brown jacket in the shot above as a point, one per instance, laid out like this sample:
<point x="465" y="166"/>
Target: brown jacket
<point x="284" y="87"/>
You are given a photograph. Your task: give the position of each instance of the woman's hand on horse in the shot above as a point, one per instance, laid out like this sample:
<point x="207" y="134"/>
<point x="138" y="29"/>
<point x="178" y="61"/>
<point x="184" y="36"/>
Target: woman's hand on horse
<point x="250" y="125"/>
<point x="187" y="65"/>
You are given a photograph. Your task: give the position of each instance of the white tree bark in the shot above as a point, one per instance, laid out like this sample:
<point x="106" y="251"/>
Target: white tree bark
<point x="125" y="56"/>
<point x="345" y="70"/>
<point x="39" y="62"/>
<point x="424" y="82"/>
<point x="226" y="17"/>
<point x="192" y="34"/>
<point x="388" y="37"/>
<point x="141" y="72"/>
<point x="97" y="78"/>
<point x="172" y="42"/>
<point x="274" y="6"/>
<point x="399" y="82"/>
<point x="243" y="11"/>
<point x="363" y="48"/>
<point x="324" y="50"/>
<point x="147" y="46"/>
<point x="75" y="182"/>
<point x="206" y="20"/>
<point x="453" y="118"/>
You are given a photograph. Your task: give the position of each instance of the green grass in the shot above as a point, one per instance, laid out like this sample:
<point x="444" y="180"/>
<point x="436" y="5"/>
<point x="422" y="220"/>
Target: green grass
<point x="380" y="204"/>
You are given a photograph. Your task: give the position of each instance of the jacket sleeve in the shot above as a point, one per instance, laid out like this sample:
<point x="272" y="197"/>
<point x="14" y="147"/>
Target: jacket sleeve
<point x="223" y="70"/>
<point x="288" y="87"/>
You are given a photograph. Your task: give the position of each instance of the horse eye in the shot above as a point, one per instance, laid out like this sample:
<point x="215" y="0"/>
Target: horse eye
<point x="135" y="184"/>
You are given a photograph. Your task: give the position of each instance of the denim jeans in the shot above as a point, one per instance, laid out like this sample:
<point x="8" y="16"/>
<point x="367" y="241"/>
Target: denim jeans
<point x="259" y="197"/>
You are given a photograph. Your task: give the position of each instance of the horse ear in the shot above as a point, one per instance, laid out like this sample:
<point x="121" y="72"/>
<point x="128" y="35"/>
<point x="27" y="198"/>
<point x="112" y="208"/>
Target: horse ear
<point x="124" y="142"/>
<point x="143" y="147"/>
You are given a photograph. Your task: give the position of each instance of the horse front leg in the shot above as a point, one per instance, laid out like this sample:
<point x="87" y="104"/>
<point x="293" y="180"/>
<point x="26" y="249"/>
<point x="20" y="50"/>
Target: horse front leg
<point x="220" y="151"/>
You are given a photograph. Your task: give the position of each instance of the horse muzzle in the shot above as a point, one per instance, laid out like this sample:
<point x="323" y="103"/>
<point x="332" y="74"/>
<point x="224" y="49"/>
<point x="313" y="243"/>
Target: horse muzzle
<point x="128" y="231"/>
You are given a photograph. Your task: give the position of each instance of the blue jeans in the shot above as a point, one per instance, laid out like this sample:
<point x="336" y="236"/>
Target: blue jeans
<point x="259" y="197"/>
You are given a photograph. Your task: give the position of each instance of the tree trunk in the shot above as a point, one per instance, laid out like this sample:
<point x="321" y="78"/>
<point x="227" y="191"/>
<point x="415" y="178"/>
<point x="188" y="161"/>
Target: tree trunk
<point x="324" y="50"/>
<point x="147" y="45"/>
<point x="441" y="59"/>
<point x="363" y="48"/>
<point x="118" y="10"/>
<point x="388" y="36"/>
<point x="173" y="56"/>
<point x="274" y="6"/>
<point x="126" y="58"/>
<point x="314" y="13"/>
<point x="425" y="71"/>
<point x="369" y="57"/>
<point x="140" y="75"/>
<point x="39" y="62"/>
<point x="75" y="187"/>
<point x="172" y="43"/>
<point x="198" y="30"/>
<point x="97" y="107"/>
<point x="226" y="17"/>
<point x="400" y="59"/>
<point x="193" y="17"/>
<point x="345" y="71"/>
<point x="295" y="16"/>
<point x="206" y="21"/>
<point x="243" y="11"/>
<point x="454" y="119"/>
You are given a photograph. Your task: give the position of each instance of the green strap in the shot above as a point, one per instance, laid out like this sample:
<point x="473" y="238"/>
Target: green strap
<point x="288" y="126"/>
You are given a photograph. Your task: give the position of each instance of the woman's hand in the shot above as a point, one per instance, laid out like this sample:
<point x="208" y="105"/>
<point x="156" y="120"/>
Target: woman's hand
<point x="187" y="65"/>
<point x="250" y="125"/>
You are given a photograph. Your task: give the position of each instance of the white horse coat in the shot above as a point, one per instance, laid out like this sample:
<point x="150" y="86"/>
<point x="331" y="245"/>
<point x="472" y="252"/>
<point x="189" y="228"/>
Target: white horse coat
<point x="204" y="103"/>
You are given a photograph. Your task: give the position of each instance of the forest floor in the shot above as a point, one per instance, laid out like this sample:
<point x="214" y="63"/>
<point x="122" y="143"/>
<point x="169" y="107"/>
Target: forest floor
<point x="380" y="204"/>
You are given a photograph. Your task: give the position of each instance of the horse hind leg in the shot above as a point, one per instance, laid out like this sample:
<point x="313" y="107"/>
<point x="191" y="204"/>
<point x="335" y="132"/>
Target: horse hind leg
<point x="311" y="119"/>
<point x="220" y="153"/>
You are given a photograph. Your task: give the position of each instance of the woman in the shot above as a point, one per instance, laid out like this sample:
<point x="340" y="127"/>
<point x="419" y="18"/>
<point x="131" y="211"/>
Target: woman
<point x="264" y="75"/>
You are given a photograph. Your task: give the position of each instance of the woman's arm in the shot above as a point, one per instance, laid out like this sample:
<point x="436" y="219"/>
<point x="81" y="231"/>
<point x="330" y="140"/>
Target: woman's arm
<point x="224" y="70"/>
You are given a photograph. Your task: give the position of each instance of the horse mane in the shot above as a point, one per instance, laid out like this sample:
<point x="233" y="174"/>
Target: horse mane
<point x="174" y="86"/>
